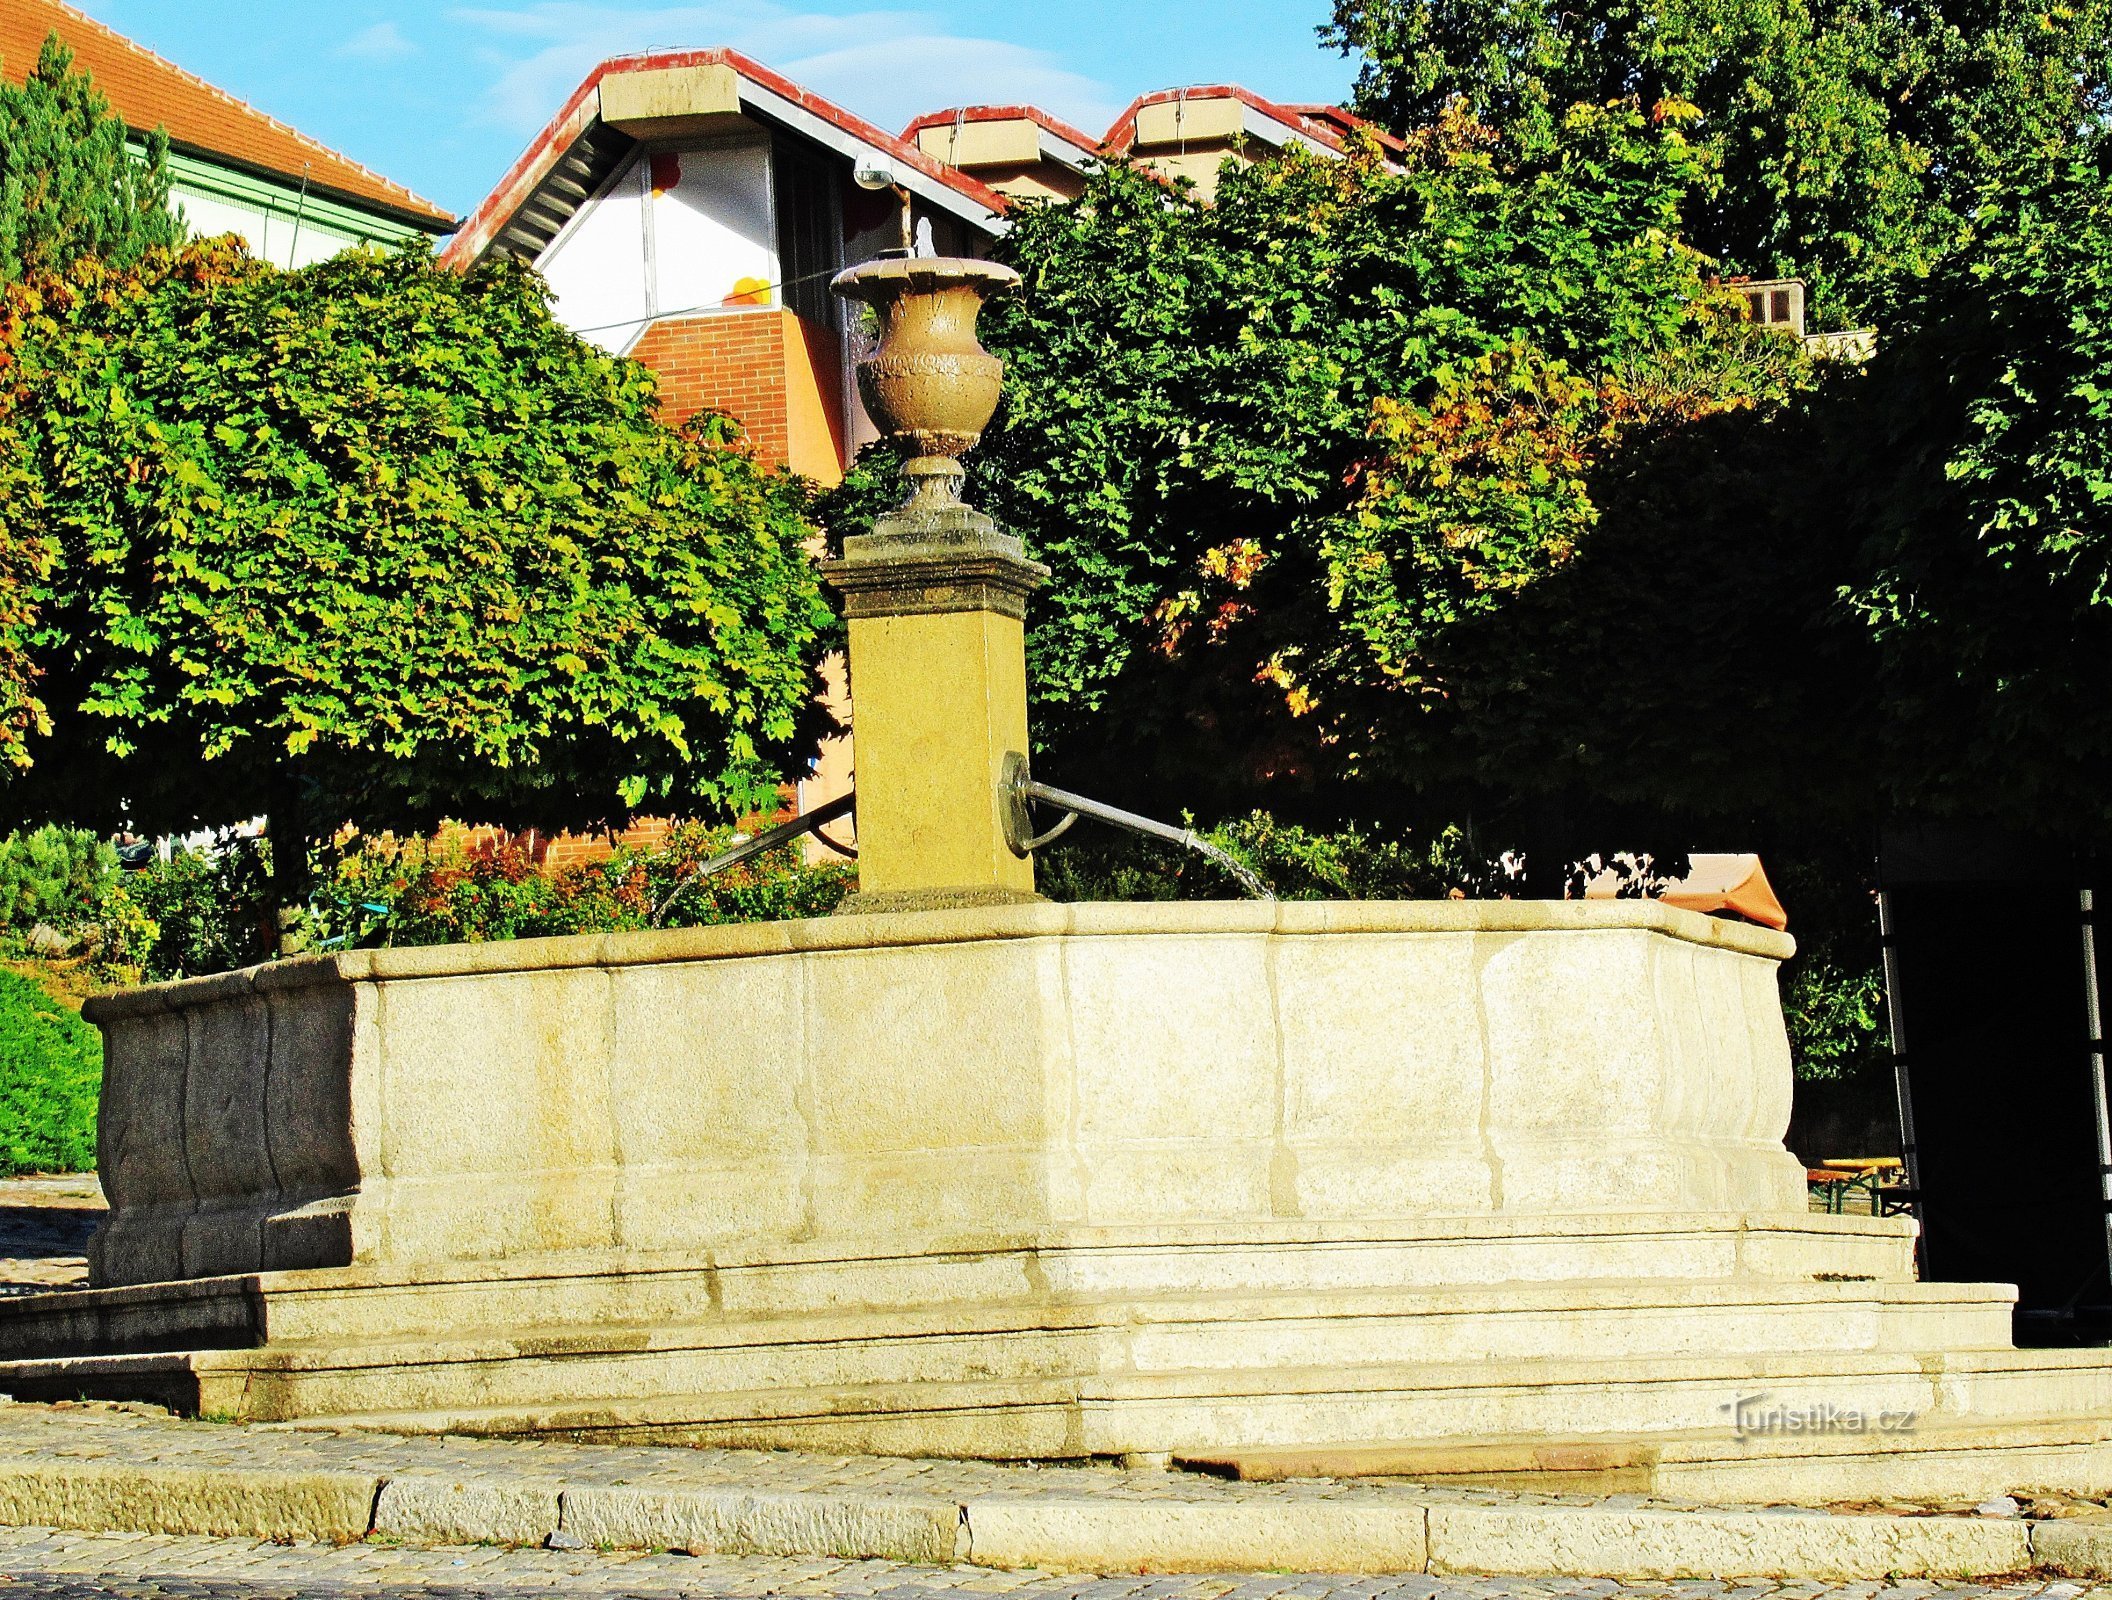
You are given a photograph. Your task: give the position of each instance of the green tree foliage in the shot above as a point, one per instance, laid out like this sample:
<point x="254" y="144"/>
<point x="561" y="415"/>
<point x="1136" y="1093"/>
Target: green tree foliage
<point x="1980" y="456"/>
<point x="1852" y="137"/>
<point x="56" y="876"/>
<point x="51" y="1068"/>
<point x="379" y="542"/>
<point x="1890" y="597"/>
<point x="1206" y="405"/>
<point x="70" y="185"/>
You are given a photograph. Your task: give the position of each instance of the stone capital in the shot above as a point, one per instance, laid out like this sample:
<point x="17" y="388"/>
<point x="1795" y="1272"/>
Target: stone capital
<point x="927" y="566"/>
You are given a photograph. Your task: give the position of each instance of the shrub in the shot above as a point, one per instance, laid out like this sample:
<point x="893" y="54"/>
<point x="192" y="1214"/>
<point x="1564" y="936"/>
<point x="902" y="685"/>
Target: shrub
<point x="385" y="892"/>
<point x="1297" y="863"/>
<point x="51" y="1069"/>
<point x="206" y="911"/>
<point x="56" y="876"/>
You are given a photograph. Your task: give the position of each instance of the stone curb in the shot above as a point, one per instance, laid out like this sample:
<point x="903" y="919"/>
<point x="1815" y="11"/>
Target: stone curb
<point x="1157" y="1533"/>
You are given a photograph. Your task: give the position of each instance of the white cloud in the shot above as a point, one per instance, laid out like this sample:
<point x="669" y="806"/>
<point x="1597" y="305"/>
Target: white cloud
<point x="382" y="42"/>
<point x="886" y="66"/>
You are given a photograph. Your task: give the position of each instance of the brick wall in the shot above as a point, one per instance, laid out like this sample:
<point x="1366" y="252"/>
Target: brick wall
<point x="778" y="375"/>
<point x="731" y="361"/>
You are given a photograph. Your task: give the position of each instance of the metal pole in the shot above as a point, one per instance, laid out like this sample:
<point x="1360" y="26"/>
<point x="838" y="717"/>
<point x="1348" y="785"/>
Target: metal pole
<point x="1896" y="1026"/>
<point x="1024" y="789"/>
<point x="769" y="839"/>
<point x="2094" y="1021"/>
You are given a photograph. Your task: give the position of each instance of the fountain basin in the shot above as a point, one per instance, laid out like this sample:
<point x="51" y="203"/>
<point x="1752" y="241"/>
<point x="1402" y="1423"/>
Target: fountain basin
<point x="1030" y="1181"/>
<point x="902" y="1079"/>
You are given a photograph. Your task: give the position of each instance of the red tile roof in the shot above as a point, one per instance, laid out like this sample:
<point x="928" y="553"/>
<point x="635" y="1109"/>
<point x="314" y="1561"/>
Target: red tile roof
<point x="149" y="92"/>
<point x="1325" y="125"/>
<point x="1034" y="114"/>
<point x="580" y="113"/>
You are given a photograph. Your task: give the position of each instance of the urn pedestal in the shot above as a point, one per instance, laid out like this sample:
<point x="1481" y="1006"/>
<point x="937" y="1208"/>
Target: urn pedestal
<point x="936" y="600"/>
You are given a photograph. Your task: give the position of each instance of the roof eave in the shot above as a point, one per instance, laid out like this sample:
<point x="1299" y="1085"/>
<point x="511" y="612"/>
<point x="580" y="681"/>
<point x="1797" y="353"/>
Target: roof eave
<point x="436" y="223"/>
<point x="776" y="98"/>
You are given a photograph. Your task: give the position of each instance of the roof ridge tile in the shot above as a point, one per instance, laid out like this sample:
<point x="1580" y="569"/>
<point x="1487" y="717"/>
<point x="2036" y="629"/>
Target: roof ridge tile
<point x="391" y="192"/>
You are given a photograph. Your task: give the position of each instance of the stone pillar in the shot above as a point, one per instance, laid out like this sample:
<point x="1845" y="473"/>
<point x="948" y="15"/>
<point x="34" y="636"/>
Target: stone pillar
<point x="936" y="597"/>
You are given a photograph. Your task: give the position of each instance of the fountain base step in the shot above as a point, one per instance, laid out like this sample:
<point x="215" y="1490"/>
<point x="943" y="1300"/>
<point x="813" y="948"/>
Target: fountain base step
<point x="1768" y="1377"/>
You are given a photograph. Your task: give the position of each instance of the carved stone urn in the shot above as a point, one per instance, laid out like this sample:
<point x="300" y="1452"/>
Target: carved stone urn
<point x="930" y="385"/>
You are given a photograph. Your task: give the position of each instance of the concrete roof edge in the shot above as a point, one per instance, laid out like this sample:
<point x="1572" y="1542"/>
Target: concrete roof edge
<point x="956" y="190"/>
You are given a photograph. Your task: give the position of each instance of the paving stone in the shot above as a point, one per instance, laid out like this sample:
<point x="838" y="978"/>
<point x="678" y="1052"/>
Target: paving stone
<point x="818" y="1513"/>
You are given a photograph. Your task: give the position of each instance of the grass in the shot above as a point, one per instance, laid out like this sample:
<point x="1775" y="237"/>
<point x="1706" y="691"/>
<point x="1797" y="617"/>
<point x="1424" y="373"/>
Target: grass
<point x="51" y="1066"/>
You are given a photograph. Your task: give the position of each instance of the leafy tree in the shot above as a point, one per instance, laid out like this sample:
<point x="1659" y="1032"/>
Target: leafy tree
<point x="1980" y="459"/>
<point x="1889" y="597"/>
<point x="378" y="542"/>
<point x="1188" y="435"/>
<point x="70" y="185"/>
<point x="1852" y="136"/>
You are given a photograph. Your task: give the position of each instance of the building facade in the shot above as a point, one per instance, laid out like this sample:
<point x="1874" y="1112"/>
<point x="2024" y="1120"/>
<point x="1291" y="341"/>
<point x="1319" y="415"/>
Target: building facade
<point x="689" y="207"/>
<point x="232" y="169"/>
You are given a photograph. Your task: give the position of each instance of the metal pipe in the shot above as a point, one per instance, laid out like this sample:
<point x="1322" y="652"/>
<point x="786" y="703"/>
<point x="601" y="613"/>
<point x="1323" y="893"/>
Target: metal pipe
<point x="1902" y="1080"/>
<point x="769" y="839"/>
<point x="1022" y="790"/>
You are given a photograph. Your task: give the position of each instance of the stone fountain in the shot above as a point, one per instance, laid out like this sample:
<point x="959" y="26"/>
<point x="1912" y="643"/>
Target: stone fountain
<point x="1459" y="1187"/>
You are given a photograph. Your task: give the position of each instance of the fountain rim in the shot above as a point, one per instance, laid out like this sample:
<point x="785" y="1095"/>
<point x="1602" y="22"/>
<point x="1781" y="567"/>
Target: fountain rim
<point x="735" y="941"/>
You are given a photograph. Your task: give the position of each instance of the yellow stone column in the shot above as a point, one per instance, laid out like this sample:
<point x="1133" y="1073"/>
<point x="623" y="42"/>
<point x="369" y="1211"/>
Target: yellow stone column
<point x="936" y="599"/>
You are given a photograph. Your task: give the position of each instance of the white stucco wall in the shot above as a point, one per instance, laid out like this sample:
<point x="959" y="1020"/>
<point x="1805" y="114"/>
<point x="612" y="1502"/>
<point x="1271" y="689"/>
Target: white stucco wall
<point x="632" y="254"/>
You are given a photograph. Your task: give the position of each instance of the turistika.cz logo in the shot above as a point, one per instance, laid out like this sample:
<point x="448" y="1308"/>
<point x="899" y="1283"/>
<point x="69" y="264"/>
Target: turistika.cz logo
<point x="1756" y="1416"/>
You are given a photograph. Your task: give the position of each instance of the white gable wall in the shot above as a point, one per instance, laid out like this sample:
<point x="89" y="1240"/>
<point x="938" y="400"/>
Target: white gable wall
<point x="631" y="254"/>
<point x="714" y="233"/>
<point x="596" y="267"/>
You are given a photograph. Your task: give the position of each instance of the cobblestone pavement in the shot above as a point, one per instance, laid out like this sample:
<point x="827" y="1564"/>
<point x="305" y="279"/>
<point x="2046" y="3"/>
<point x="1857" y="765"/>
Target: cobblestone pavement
<point x="44" y="1227"/>
<point x="62" y="1566"/>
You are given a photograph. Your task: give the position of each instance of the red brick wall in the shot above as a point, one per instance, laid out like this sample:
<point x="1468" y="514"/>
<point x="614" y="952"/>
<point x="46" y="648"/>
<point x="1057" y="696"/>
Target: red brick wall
<point x="731" y="361"/>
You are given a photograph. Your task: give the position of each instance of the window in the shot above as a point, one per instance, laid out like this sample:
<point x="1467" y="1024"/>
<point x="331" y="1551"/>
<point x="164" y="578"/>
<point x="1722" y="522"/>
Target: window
<point x="809" y="230"/>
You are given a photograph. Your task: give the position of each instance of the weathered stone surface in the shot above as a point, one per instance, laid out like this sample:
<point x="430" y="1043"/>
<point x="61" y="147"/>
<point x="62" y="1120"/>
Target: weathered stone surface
<point x="1027" y="1182"/>
<point x="446" y="1508"/>
<point x="174" y="1498"/>
<point x="989" y="1070"/>
<point x="737" y="1521"/>
<point x="1530" y="1540"/>
<point x="98" y="1468"/>
<point x="1159" y="1535"/>
<point x="2075" y="1548"/>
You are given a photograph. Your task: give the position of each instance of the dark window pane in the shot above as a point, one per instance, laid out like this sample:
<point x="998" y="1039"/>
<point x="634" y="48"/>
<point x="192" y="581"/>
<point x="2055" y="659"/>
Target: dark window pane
<point x="809" y="231"/>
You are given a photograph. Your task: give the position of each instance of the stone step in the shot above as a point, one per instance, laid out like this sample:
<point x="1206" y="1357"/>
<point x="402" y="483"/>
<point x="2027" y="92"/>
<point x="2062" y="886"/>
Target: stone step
<point x="1648" y="1396"/>
<point x="1842" y="1458"/>
<point x="1685" y="1400"/>
<point x="655" y="1290"/>
<point x="1554" y="1359"/>
<point x="1346" y="1329"/>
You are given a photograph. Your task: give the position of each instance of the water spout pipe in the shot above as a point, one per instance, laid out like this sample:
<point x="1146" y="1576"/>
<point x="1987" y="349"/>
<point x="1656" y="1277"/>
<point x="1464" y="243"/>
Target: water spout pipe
<point x="1022" y="792"/>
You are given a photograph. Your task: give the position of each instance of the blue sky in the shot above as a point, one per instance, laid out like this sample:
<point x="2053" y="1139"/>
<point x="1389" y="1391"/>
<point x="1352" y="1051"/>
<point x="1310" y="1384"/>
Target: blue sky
<point x="441" y="96"/>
